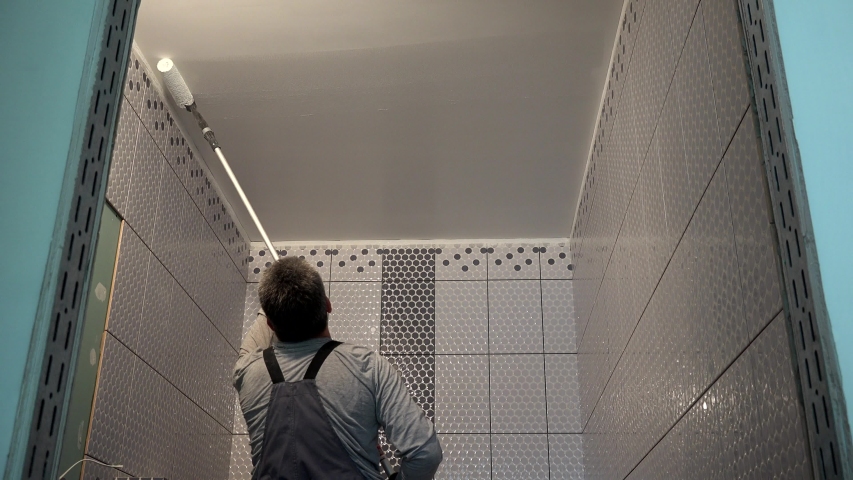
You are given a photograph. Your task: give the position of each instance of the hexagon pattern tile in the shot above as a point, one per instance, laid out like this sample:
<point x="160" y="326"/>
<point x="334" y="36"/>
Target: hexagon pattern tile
<point x="418" y="371"/>
<point x="513" y="348"/>
<point x="563" y="393"/>
<point x="513" y="261"/>
<point x="356" y="312"/>
<point x="565" y="455"/>
<point x="752" y="229"/>
<point x="466" y="457"/>
<point x="558" y="317"/>
<point x="462" y="393"/>
<point x="461" y="317"/>
<point x="408" y="301"/>
<point x="555" y="262"/>
<point x="165" y="405"/>
<point x="460" y="262"/>
<point x="674" y="272"/>
<point x="459" y="384"/>
<point x="319" y="257"/>
<point x="517" y="394"/>
<point x="520" y="457"/>
<point x="240" y="467"/>
<point x="515" y="317"/>
<point x="124" y="152"/>
<point x="356" y="263"/>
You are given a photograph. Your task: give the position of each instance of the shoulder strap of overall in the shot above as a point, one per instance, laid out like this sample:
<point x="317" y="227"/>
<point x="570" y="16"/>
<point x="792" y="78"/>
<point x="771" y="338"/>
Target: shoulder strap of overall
<point x="319" y="358"/>
<point x="272" y="366"/>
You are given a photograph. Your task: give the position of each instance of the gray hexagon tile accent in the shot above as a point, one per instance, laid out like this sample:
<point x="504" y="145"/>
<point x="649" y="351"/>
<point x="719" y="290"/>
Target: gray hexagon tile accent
<point x="517" y="394"/>
<point x="513" y="261"/>
<point x="126" y="307"/>
<point x="555" y="261"/>
<point x="462" y="393"/>
<point x="356" y="312"/>
<point x="515" y="317"/>
<point x="356" y="263"/>
<point x="418" y="372"/>
<point x="753" y="230"/>
<point x="466" y="457"/>
<point x="565" y="453"/>
<point x="520" y="457"/>
<point x="461" y="317"/>
<point x="558" y="316"/>
<point x="392" y="455"/>
<point x="408" y="317"/>
<point x="124" y="152"/>
<point x="460" y="262"/>
<point x="563" y="393"/>
<point x="410" y="263"/>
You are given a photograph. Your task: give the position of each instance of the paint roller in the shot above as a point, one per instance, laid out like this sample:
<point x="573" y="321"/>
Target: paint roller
<point x="181" y="93"/>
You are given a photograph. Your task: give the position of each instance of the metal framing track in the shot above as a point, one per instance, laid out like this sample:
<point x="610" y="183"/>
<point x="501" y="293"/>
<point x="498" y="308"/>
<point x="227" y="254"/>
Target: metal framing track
<point x="103" y="81"/>
<point x="817" y="365"/>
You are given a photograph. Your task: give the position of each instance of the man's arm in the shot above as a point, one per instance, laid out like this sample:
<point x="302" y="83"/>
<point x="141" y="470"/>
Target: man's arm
<point x="405" y="424"/>
<point x="259" y="336"/>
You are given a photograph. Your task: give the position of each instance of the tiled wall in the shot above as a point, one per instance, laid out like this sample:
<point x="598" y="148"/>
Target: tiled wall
<point x="164" y="403"/>
<point x="684" y="359"/>
<point x="484" y="335"/>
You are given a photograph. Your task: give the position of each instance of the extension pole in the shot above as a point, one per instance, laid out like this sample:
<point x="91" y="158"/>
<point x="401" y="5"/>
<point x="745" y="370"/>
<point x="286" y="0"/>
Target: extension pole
<point x="181" y="93"/>
<point x="211" y="139"/>
<point x="248" y="205"/>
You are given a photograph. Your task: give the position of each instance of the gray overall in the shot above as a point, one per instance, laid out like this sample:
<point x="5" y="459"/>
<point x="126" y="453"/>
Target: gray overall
<point x="299" y="443"/>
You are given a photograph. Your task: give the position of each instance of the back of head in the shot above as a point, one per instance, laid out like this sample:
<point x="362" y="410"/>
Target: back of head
<point x="294" y="299"/>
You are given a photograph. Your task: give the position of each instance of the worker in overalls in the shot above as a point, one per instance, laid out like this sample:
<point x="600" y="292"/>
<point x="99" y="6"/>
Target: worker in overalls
<point x="314" y="406"/>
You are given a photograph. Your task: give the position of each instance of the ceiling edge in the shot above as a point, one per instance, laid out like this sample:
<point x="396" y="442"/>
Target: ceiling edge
<point x="598" y="115"/>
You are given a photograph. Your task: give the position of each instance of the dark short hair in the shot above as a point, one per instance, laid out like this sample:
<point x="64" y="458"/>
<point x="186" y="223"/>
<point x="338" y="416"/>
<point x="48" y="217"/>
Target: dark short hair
<point x="294" y="299"/>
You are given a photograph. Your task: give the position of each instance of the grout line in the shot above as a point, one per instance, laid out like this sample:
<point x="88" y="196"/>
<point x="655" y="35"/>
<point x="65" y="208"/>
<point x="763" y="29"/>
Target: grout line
<point x="544" y="364"/>
<point x="489" y="363"/>
<point x="180" y="285"/>
<point x="186" y="189"/>
<point x="648" y="302"/>
<point x="705" y="391"/>
<point x="645" y="155"/>
<point x="167" y="380"/>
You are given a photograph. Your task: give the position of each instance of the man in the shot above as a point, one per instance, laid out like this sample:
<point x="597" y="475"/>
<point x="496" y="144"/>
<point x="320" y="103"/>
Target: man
<point x="326" y="428"/>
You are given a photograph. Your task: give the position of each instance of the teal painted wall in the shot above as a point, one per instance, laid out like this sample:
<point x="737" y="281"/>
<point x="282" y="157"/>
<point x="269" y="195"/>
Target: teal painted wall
<point x="816" y="43"/>
<point x="44" y="46"/>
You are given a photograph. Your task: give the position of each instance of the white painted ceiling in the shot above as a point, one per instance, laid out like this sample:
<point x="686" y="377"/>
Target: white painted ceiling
<point x="394" y="119"/>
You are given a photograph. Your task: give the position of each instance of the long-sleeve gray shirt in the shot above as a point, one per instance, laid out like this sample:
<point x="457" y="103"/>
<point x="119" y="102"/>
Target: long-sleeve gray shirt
<point x="360" y="391"/>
